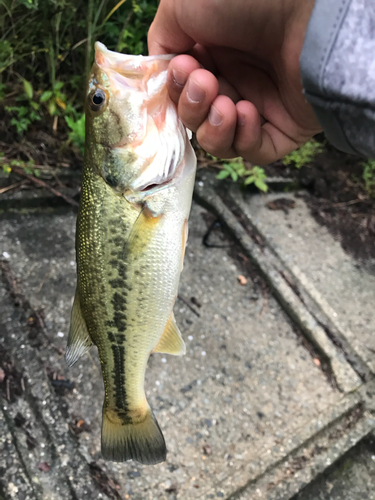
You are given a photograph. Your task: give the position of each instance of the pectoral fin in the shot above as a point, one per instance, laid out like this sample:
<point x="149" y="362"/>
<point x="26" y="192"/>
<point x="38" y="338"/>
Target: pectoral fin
<point x="171" y="341"/>
<point x="79" y="340"/>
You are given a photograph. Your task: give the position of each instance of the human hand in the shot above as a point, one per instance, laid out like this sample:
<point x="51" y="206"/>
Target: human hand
<point x="248" y="100"/>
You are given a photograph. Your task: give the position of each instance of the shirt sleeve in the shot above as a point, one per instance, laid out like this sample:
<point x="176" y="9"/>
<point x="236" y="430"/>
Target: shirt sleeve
<point x="338" y="72"/>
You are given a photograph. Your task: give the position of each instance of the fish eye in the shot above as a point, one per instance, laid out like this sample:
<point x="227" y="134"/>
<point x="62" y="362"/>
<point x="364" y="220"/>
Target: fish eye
<point x="97" y="100"/>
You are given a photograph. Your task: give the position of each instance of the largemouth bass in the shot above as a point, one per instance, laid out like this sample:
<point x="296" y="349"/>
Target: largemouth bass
<point x="137" y="185"/>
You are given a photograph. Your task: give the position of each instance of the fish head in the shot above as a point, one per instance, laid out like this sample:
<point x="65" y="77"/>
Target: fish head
<point x="134" y="137"/>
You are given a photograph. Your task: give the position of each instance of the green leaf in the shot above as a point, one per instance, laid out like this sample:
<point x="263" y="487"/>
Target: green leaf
<point x="249" y="180"/>
<point x="46" y="95"/>
<point x="234" y="176"/>
<point x="58" y="86"/>
<point x="6" y="169"/>
<point x="51" y="107"/>
<point x="223" y="174"/>
<point x="34" y="105"/>
<point x="261" y="185"/>
<point x="28" y="89"/>
<point x="228" y="167"/>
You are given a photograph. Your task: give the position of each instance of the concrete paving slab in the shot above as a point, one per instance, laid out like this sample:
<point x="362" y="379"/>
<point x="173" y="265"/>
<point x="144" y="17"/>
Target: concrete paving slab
<point x="274" y="272"/>
<point x="342" y="288"/>
<point x="303" y="465"/>
<point x="352" y="477"/>
<point x="245" y="387"/>
<point x="36" y="419"/>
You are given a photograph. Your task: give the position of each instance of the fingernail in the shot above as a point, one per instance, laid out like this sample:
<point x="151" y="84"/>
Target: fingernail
<point x="194" y="92"/>
<point x="179" y="77"/>
<point x="215" y="117"/>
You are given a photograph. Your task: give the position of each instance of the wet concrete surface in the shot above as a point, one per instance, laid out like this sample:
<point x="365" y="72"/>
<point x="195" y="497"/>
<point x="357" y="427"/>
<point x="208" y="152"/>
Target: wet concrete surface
<point x="341" y="285"/>
<point x="352" y="477"/>
<point x="235" y="405"/>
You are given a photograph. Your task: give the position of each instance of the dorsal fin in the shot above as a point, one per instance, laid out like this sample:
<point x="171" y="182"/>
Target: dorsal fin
<point x="171" y="341"/>
<point x="79" y="340"/>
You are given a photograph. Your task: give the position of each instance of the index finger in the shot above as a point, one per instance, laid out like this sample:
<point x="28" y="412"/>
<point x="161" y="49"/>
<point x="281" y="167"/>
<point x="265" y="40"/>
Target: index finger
<point x="165" y="35"/>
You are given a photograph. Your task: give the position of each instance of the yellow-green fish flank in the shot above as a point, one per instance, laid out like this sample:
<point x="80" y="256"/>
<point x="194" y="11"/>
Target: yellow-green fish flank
<point x="131" y="234"/>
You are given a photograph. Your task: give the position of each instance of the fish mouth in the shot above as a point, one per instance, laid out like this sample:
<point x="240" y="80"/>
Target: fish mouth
<point x="106" y="58"/>
<point x="126" y="73"/>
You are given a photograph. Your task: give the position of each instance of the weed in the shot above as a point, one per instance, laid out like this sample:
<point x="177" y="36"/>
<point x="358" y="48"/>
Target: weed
<point x="237" y="171"/>
<point x="369" y="176"/>
<point x="54" y="98"/>
<point x="49" y="45"/>
<point x="28" y="167"/>
<point x="27" y="112"/>
<point x="303" y="155"/>
<point x="77" y="130"/>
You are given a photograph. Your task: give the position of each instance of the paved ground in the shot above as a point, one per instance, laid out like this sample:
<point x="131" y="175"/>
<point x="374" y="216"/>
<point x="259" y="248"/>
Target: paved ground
<point x="351" y="477"/>
<point x="342" y="286"/>
<point x="254" y="409"/>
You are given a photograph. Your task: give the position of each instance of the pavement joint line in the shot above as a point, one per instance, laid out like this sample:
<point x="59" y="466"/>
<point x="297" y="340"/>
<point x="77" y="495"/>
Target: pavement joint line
<point x="351" y="344"/>
<point x="290" y="446"/>
<point x="347" y="379"/>
<point x="274" y="483"/>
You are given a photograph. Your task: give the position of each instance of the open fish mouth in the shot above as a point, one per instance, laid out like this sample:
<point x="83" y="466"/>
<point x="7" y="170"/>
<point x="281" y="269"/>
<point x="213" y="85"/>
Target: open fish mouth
<point x="105" y="56"/>
<point x="125" y="72"/>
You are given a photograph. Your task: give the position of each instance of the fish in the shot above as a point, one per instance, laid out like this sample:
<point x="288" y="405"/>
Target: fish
<point x="131" y="233"/>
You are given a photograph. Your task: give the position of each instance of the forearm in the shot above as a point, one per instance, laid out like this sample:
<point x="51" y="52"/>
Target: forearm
<point x="338" y="72"/>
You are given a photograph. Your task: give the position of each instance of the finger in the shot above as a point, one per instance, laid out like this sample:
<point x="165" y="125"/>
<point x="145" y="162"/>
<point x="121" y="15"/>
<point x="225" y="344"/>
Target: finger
<point x="179" y="70"/>
<point x="226" y="88"/>
<point x="260" y="144"/>
<point x="165" y="35"/>
<point x="196" y="98"/>
<point x="216" y="134"/>
<point x="203" y="55"/>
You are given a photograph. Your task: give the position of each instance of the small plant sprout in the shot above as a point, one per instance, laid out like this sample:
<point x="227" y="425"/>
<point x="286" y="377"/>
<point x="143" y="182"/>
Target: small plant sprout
<point x="304" y="155"/>
<point x="77" y="130"/>
<point x="28" y="110"/>
<point x="54" y="98"/>
<point x="237" y="171"/>
<point x="369" y="176"/>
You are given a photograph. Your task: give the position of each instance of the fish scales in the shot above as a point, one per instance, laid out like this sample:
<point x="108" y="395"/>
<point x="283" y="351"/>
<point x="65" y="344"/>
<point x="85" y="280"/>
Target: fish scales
<point x="131" y="234"/>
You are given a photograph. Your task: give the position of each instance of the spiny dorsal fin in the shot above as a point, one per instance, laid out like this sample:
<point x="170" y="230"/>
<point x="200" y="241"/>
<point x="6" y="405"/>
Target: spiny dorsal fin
<point x="79" y="340"/>
<point x="171" y="341"/>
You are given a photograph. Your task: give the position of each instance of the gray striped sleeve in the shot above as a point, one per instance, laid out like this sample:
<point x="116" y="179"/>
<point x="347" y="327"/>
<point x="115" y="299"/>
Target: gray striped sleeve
<point x="338" y="72"/>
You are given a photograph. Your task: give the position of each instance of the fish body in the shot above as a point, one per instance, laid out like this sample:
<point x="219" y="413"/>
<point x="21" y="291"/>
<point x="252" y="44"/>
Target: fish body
<point x="136" y="196"/>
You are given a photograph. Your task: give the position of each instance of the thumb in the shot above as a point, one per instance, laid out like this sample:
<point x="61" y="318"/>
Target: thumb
<point x="165" y="35"/>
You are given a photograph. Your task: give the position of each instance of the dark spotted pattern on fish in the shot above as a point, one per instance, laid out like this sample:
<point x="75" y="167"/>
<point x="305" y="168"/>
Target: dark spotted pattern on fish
<point x="118" y="322"/>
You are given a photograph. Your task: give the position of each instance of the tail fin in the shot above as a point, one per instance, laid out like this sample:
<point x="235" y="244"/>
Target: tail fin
<point x="143" y="441"/>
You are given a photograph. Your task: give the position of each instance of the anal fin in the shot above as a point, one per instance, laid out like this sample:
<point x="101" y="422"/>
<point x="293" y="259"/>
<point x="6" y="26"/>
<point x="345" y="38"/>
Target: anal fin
<point x="79" y="340"/>
<point x="171" y="341"/>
